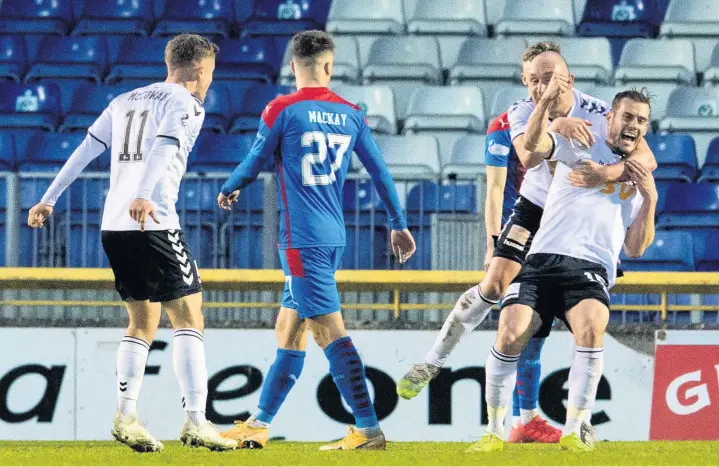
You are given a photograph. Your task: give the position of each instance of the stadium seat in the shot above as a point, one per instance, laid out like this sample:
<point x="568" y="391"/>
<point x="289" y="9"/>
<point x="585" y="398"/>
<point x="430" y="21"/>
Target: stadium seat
<point x="365" y="226"/>
<point x="88" y="103"/>
<point x="639" y="63"/>
<point x="402" y="91"/>
<point x="345" y="68"/>
<point x="449" y="47"/>
<point x="488" y="59"/>
<point x="670" y="251"/>
<point x="710" y="169"/>
<point x="537" y="17"/>
<point x="660" y="95"/>
<point x="694" y="111"/>
<point x="286" y="17"/>
<point x="251" y="58"/>
<point x="676" y="156"/>
<point x="368" y="17"/>
<point x="115" y="17"/>
<point x="413" y="155"/>
<point x="706" y="252"/>
<point x="47" y="152"/>
<point x="589" y="59"/>
<point x="691" y="18"/>
<point x="711" y="75"/>
<point x="407" y="58"/>
<point x="35" y="17"/>
<point x="29" y="106"/>
<point x="662" y="188"/>
<point x="217" y="153"/>
<point x="249" y="106"/>
<point x="691" y="205"/>
<point x="466" y="159"/>
<point x="70" y="57"/>
<point x="446" y="108"/>
<point x="7" y="153"/>
<point x="198" y="16"/>
<point x="377" y="103"/>
<point x="506" y="97"/>
<point x="139" y="58"/>
<point x="619" y="18"/>
<point x="13" y="58"/>
<point x="448" y="17"/>
<point x="217" y="108"/>
<point x="430" y="197"/>
<point x="703" y="51"/>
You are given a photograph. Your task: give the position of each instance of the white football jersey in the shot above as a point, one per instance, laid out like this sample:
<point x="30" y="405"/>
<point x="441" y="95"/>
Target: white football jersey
<point x="537" y="179"/>
<point x="586" y="223"/>
<point x="129" y="125"/>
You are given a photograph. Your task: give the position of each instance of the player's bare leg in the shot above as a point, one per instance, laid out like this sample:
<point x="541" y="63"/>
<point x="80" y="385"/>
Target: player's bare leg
<point x="517" y="324"/>
<point x="348" y="373"/>
<point x="291" y="333"/>
<point x="471" y="309"/>
<point x="144" y="318"/>
<point x="588" y="320"/>
<point x="188" y="357"/>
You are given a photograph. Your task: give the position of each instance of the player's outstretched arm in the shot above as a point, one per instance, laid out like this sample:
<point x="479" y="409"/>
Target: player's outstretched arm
<point x="369" y="154"/>
<point x="90" y="148"/>
<point x="641" y="233"/>
<point x="262" y="151"/>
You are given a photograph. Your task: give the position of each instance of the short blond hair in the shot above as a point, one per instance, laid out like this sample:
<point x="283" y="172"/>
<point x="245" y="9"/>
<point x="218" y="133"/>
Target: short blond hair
<point x="539" y="48"/>
<point x="186" y="50"/>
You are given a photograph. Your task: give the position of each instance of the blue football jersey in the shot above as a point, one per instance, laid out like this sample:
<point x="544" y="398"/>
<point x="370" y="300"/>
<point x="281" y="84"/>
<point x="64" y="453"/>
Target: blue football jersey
<point x="311" y="135"/>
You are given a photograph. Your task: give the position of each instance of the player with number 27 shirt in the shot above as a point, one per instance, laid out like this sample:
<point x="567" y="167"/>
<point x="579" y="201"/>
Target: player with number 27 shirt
<point x="311" y="135"/>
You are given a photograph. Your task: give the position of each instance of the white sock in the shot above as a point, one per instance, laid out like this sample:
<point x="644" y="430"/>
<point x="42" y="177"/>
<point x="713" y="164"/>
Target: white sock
<point x="188" y="358"/>
<point x="253" y="422"/>
<point x="131" y="360"/>
<point x="501" y="376"/>
<point x="528" y="415"/>
<point x="469" y="311"/>
<point x="370" y="432"/>
<point x="516" y="420"/>
<point x="584" y="377"/>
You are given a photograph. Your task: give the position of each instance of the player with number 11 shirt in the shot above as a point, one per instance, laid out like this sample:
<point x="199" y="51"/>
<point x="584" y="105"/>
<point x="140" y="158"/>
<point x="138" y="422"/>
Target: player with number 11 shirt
<point x="311" y="135"/>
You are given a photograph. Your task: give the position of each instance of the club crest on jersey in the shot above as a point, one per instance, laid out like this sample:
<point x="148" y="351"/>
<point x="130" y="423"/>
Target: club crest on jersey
<point x="330" y="118"/>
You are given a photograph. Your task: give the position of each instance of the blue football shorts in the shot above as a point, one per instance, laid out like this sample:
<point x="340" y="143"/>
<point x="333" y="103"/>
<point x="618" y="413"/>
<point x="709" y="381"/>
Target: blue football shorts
<point x="310" y="285"/>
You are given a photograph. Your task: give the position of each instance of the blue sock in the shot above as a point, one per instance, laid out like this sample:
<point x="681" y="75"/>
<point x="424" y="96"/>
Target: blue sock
<point x="515" y="397"/>
<point x="348" y="374"/>
<point x="283" y="374"/>
<point x="529" y="371"/>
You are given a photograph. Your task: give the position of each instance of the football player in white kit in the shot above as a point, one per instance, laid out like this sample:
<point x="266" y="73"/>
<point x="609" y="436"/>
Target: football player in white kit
<point x="573" y="115"/>
<point x="150" y="132"/>
<point x="573" y="259"/>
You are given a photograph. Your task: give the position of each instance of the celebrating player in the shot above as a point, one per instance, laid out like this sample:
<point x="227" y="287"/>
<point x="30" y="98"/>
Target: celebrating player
<point x="311" y="135"/>
<point x="572" y="262"/>
<point x="150" y="132"/>
<point x="572" y="116"/>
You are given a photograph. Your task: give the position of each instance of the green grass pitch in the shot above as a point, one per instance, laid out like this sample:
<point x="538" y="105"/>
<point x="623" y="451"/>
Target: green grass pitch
<point x="416" y="454"/>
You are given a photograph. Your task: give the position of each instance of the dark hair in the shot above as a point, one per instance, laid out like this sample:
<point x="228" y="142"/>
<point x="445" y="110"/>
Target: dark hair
<point x="307" y="45"/>
<point x="186" y="50"/>
<point x="637" y="95"/>
<point x="539" y="48"/>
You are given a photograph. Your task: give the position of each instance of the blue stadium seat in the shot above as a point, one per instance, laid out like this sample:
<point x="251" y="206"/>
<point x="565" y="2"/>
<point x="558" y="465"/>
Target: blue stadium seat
<point x="70" y="57"/>
<point x="251" y="58"/>
<point x="670" y="251"/>
<point x="286" y="17"/>
<point x="86" y="199"/>
<point x="217" y="153"/>
<point x="115" y="17"/>
<point x="198" y="16"/>
<point x="365" y="226"/>
<point x="662" y="188"/>
<point x="710" y="169"/>
<point x="676" y="156"/>
<point x="706" y="251"/>
<point x="47" y="152"/>
<point x="29" y="106"/>
<point x="691" y="205"/>
<point x="249" y="108"/>
<point x="7" y="152"/>
<point x="139" y="58"/>
<point x="88" y="103"/>
<point x="13" y="58"/>
<point x="619" y="18"/>
<point x="217" y="108"/>
<point x="430" y="197"/>
<point x="35" y="17"/>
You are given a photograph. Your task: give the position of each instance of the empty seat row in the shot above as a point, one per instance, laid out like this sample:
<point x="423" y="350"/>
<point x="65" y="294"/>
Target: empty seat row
<point x="98" y="59"/>
<point x="162" y="17"/>
<point x="677" y="250"/>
